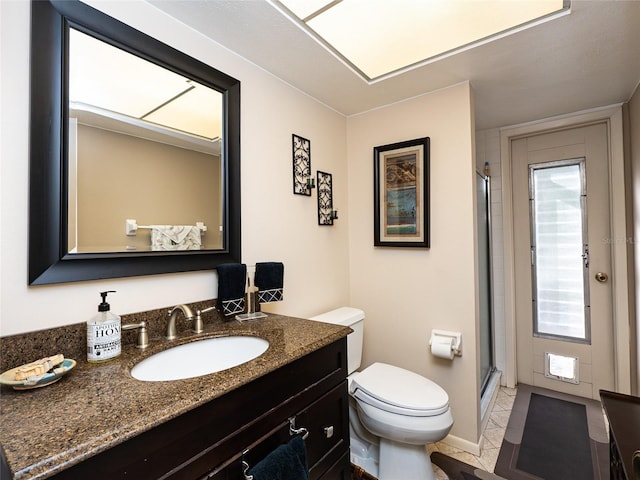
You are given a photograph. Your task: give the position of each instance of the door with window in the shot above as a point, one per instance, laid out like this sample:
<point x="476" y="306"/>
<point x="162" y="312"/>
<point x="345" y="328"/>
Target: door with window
<point x="562" y="248"/>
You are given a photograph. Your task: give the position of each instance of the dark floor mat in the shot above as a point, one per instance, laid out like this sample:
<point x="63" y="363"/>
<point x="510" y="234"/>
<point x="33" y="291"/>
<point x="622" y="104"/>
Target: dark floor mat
<point x="553" y="436"/>
<point x="555" y="442"/>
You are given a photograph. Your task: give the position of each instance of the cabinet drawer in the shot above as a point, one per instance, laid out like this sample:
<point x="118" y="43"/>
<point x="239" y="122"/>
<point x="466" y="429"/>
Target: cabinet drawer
<point x="327" y="420"/>
<point x="327" y="443"/>
<point x="341" y="470"/>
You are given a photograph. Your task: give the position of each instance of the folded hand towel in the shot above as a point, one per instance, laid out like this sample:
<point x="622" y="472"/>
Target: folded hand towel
<point x="287" y="462"/>
<point x="269" y="279"/>
<point x="175" y="237"/>
<point x="232" y="279"/>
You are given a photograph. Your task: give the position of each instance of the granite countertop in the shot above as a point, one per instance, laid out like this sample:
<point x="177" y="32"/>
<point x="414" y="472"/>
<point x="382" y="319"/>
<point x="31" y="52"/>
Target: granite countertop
<point x="97" y="406"/>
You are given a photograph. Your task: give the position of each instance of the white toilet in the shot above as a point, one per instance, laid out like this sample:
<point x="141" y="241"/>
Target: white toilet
<point x="393" y="413"/>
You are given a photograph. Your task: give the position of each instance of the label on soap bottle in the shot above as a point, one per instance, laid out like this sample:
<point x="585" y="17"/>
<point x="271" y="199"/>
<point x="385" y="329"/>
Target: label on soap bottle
<point x="103" y="341"/>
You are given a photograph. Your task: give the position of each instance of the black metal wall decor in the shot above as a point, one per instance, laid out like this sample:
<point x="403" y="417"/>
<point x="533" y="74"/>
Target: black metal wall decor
<point x="326" y="213"/>
<point x="303" y="182"/>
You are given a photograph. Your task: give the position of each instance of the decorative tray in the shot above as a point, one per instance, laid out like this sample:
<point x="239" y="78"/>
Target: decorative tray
<point x="7" y="378"/>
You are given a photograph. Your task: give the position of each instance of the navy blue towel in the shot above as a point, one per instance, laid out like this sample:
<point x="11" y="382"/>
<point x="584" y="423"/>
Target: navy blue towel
<point x="232" y="280"/>
<point x="269" y="279"/>
<point x="287" y="462"/>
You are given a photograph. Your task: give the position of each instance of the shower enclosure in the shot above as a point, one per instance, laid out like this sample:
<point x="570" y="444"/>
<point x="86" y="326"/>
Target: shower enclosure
<point x="483" y="212"/>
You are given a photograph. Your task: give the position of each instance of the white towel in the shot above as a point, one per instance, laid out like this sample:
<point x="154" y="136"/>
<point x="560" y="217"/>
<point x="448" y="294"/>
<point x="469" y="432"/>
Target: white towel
<point x="175" y="237"/>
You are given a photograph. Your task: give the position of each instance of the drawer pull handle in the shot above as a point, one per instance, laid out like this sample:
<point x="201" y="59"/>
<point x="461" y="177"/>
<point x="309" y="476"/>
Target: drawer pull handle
<point x="293" y="430"/>
<point x="328" y="431"/>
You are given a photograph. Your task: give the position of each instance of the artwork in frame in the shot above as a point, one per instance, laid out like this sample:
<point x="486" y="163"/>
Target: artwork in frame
<point x="401" y="194"/>
<point x="301" y="150"/>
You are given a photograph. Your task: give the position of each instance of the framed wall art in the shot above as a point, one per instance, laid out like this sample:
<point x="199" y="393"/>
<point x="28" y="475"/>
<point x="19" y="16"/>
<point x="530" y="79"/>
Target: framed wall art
<point x="302" y="179"/>
<point x="401" y="194"/>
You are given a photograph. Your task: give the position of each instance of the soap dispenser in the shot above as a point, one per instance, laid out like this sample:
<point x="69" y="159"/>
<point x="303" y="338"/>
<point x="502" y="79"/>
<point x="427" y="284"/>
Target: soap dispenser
<point x="103" y="333"/>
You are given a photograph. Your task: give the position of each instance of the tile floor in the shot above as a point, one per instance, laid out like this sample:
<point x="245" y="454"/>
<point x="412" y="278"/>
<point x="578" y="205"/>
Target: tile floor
<point x="493" y="435"/>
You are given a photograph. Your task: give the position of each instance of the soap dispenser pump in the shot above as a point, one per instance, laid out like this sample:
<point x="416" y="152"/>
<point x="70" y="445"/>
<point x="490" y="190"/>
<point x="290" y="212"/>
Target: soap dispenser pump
<point x="103" y="333"/>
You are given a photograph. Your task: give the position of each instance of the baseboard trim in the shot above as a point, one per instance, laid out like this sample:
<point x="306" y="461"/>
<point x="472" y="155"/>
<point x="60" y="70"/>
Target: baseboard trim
<point x="461" y="443"/>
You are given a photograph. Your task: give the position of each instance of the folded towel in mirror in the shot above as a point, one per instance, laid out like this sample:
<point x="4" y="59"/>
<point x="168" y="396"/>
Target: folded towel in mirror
<point x="175" y="237"/>
<point x="232" y="279"/>
<point x="287" y="462"/>
<point x="269" y="279"/>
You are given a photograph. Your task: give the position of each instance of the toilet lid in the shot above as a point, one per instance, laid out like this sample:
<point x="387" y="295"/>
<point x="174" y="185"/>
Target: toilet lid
<point x="397" y="390"/>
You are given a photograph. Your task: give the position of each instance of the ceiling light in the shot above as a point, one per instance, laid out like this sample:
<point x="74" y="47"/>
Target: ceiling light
<point x="380" y="37"/>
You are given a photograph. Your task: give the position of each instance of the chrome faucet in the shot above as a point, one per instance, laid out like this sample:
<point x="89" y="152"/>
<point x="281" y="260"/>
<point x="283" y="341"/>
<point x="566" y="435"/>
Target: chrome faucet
<point x="188" y="315"/>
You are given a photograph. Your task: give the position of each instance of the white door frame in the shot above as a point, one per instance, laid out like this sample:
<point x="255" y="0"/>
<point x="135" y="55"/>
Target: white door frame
<point x="612" y="116"/>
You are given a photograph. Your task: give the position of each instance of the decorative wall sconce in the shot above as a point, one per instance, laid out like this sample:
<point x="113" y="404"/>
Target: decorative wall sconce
<point x="326" y="213"/>
<point x="311" y="183"/>
<point x="303" y="182"/>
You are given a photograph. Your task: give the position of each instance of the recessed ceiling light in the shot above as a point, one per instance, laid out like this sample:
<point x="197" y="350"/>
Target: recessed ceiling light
<point x="378" y="38"/>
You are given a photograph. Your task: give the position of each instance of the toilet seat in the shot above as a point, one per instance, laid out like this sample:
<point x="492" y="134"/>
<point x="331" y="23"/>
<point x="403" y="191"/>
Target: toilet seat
<point x="404" y="428"/>
<point x="396" y="390"/>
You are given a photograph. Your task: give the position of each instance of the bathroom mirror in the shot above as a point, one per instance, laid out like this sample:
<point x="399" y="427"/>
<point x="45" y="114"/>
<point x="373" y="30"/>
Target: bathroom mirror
<point x="114" y="151"/>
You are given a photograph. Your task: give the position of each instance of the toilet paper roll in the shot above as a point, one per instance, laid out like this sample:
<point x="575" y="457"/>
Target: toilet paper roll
<point x="442" y="348"/>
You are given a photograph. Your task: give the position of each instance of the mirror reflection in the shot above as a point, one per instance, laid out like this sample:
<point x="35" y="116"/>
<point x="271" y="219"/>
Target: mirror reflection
<point x="144" y="145"/>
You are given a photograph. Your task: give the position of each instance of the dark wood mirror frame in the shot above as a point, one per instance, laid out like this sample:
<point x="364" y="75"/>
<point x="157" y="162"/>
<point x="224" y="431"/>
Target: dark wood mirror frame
<point x="49" y="260"/>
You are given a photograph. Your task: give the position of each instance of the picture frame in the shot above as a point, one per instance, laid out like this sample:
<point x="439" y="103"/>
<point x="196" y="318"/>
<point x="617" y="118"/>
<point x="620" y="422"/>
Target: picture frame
<point x="401" y="194"/>
<point x="301" y="156"/>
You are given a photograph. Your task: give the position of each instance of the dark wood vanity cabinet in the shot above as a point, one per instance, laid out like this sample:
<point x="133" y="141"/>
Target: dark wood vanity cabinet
<point x="623" y="414"/>
<point x="327" y="426"/>
<point x="212" y="441"/>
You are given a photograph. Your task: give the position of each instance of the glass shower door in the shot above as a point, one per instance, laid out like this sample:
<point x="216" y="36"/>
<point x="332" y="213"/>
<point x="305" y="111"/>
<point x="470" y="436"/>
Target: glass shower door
<point x="484" y="278"/>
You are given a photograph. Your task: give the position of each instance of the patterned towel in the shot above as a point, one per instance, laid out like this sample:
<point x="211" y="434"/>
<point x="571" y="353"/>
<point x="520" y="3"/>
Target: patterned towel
<point x="175" y="237"/>
<point x="232" y="279"/>
<point x="269" y="279"/>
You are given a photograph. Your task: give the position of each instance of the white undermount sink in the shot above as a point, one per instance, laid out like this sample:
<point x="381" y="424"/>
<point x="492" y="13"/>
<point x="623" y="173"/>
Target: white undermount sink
<point x="198" y="358"/>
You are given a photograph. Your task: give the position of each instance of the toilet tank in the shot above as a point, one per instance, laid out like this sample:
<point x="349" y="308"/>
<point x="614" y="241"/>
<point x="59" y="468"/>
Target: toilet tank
<point x="348" y="317"/>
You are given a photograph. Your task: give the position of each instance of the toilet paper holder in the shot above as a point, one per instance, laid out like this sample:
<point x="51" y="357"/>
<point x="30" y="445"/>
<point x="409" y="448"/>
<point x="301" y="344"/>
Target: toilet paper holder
<point x="438" y="336"/>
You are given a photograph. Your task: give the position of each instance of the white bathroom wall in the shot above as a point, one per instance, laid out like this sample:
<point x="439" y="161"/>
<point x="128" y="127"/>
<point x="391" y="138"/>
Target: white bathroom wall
<point x="407" y="292"/>
<point x="276" y="225"/>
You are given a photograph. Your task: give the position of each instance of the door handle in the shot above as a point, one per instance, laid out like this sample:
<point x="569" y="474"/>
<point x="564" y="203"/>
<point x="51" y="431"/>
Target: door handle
<point x="602" y="277"/>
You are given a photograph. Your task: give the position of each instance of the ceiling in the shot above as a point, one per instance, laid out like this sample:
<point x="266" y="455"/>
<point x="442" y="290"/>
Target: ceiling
<point x="390" y="36"/>
<point x="589" y="58"/>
